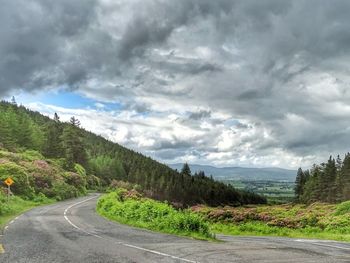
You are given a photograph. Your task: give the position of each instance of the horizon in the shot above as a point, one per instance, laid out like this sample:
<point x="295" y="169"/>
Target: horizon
<point x="221" y="83"/>
<point x="222" y="167"/>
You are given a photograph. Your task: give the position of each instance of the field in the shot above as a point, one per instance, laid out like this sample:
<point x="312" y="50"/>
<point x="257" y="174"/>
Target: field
<point x="276" y="192"/>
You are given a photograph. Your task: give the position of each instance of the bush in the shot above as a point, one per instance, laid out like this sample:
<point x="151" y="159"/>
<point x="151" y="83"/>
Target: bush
<point x="22" y="184"/>
<point x="41" y="198"/>
<point x="62" y="190"/>
<point x="80" y="170"/>
<point x="30" y="155"/>
<point x="129" y="207"/>
<point x="76" y="180"/>
<point x="343" y="208"/>
<point x="93" y="182"/>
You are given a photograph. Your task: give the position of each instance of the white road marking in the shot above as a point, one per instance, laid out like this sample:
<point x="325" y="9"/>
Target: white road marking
<point x="321" y="243"/>
<point x="119" y="243"/>
<point x="158" y="253"/>
<point x="71" y="223"/>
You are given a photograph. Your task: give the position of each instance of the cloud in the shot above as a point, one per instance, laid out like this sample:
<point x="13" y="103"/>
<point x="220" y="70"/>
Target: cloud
<point x="252" y="82"/>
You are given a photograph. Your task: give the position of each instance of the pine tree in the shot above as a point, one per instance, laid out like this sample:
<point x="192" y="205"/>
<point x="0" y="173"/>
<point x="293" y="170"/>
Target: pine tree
<point x="328" y="181"/>
<point x="53" y="145"/>
<point x="186" y="170"/>
<point x="13" y="101"/>
<point x="298" y="188"/>
<point x="73" y="145"/>
<point x="344" y="178"/>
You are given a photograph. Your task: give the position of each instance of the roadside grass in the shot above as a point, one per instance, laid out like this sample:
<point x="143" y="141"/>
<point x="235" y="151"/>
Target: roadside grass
<point x="17" y="206"/>
<point x="315" y="221"/>
<point x="129" y="207"/>
<point x="261" y="229"/>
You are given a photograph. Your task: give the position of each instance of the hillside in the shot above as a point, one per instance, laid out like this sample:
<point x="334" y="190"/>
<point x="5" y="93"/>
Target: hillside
<point x="243" y="174"/>
<point x="68" y="144"/>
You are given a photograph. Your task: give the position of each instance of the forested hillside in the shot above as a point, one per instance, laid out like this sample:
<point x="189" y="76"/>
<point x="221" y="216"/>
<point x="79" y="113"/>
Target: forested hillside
<point x="326" y="182"/>
<point x="67" y="144"/>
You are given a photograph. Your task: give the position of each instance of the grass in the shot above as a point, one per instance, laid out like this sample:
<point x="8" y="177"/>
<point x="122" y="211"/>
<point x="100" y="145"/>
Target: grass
<point x="316" y="221"/>
<point x="261" y="229"/>
<point x="128" y="207"/>
<point x="17" y="206"/>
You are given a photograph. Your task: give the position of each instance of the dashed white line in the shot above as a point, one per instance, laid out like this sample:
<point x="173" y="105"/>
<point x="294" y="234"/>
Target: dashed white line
<point x="119" y="243"/>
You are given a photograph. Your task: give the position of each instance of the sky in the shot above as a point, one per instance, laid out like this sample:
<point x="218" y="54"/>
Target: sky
<point x="225" y="83"/>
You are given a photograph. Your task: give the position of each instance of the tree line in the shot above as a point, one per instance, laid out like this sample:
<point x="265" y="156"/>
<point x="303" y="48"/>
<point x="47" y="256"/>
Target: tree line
<point x="327" y="182"/>
<point x="21" y="128"/>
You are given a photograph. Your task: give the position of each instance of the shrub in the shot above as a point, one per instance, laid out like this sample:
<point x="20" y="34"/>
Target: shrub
<point x="129" y="207"/>
<point x="41" y="198"/>
<point x="343" y="208"/>
<point x="93" y="182"/>
<point x="22" y="184"/>
<point x="30" y="155"/>
<point x="75" y="180"/>
<point x="80" y="170"/>
<point x="62" y="190"/>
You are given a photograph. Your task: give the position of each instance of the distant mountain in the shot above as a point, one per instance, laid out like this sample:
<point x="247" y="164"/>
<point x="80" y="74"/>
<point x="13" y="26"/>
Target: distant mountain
<point x="240" y="173"/>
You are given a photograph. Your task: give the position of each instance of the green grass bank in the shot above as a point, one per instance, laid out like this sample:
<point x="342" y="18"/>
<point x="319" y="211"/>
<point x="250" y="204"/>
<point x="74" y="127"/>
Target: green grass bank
<point x="315" y="221"/>
<point x="16" y="206"/>
<point x="129" y="207"/>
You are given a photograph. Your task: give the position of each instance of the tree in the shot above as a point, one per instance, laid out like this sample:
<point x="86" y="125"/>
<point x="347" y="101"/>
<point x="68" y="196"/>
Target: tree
<point x="53" y="145"/>
<point x="13" y="101"/>
<point x="75" y="122"/>
<point x="299" y="184"/>
<point x="327" y="181"/>
<point x="186" y="170"/>
<point x="73" y="145"/>
<point x="344" y="177"/>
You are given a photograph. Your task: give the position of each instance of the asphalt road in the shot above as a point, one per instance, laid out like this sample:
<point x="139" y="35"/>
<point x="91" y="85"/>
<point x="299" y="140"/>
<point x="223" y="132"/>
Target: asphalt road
<point x="71" y="231"/>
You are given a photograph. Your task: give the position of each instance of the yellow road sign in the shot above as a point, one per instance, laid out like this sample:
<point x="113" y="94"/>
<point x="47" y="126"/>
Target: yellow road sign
<point x="9" y="181"/>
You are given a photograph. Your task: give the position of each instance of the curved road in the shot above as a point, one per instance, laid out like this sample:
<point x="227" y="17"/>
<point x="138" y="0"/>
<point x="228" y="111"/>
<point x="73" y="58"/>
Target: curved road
<point x="71" y="231"/>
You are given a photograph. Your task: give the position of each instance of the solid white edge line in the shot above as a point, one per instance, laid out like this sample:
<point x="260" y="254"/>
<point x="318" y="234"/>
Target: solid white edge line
<point x="119" y="243"/>
<point x="320" y="244"/>
<point x="72" y="224"/>
<point x="157" y="253"/>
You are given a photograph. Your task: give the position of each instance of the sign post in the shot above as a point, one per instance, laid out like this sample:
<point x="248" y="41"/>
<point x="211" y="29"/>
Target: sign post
<point x="8" y="182"/>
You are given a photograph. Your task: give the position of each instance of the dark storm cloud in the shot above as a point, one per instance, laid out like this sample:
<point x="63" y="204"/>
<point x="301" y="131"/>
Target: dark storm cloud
<point x="276" y="64"/>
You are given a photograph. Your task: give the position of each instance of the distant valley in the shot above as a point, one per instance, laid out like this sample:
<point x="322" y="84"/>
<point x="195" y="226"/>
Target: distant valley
<point x="243" y="174"/>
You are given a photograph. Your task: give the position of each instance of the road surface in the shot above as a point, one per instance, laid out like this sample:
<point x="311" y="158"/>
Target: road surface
<point x="71" y="231"/>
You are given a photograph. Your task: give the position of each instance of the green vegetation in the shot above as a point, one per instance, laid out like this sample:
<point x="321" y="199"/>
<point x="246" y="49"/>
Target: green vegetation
<point x="318" y="220"/>
<point x="328" y="182"/>
<point x="129" y="207"/>
<point x="276" y="192"/>
<point x="64" y="145"/>
<point x="34" y="176"/>
<point x="16" y="206"/>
